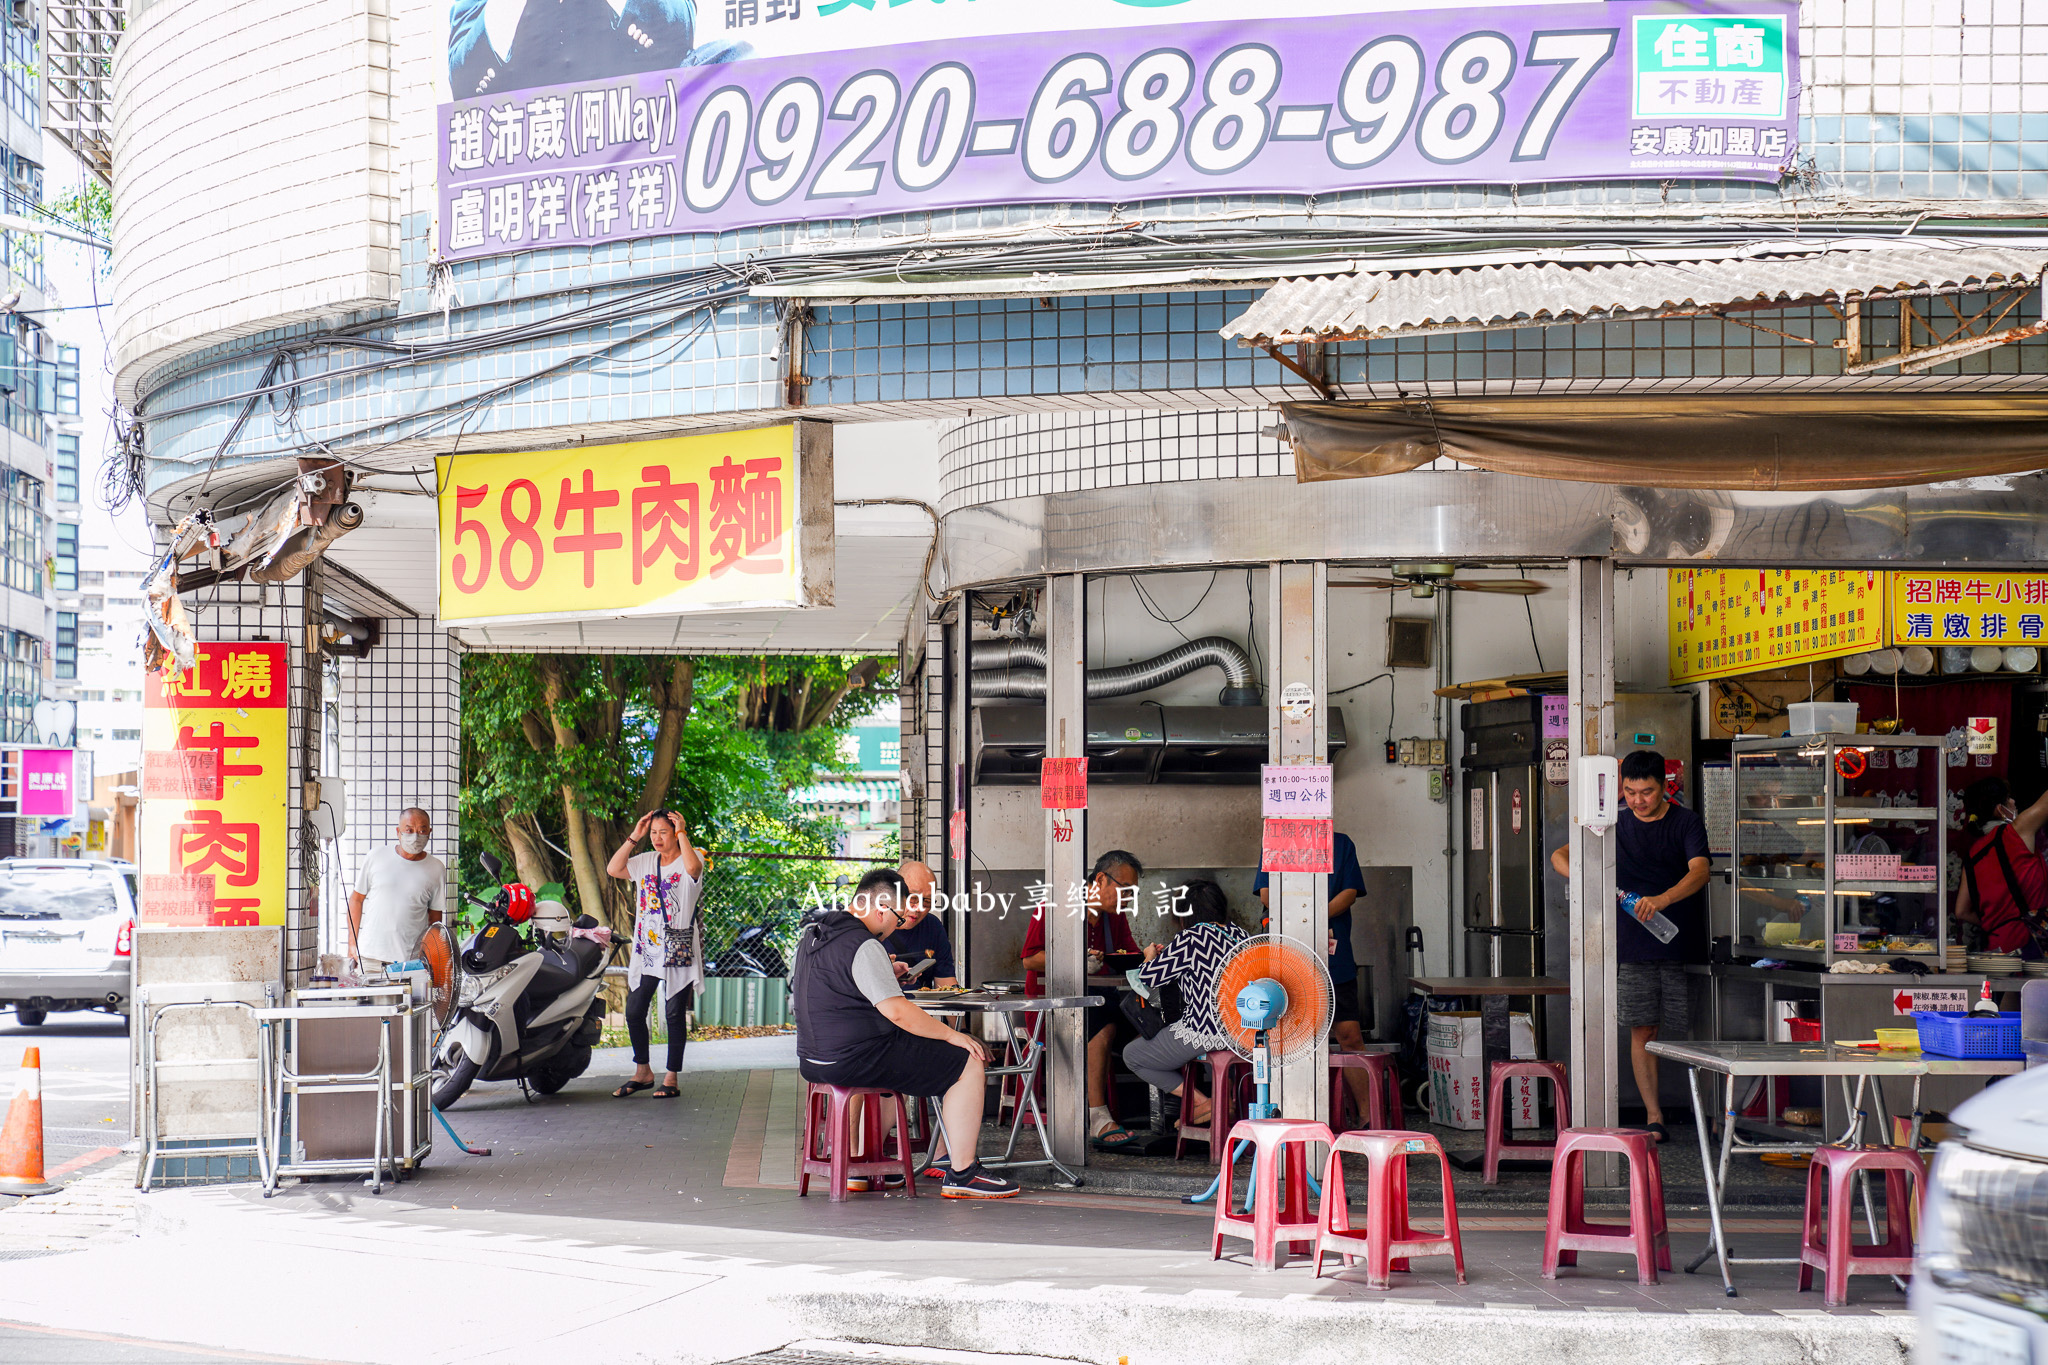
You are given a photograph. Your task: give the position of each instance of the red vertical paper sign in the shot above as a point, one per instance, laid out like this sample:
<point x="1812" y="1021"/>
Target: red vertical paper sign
<point x="1297" y="846"/>
<point x="1063" y="783"/>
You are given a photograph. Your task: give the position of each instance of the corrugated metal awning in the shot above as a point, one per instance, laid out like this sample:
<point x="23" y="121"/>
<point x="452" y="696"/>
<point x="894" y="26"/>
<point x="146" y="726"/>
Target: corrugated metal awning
<point x="1369" y="305"/>
<point x="847" y="793"/>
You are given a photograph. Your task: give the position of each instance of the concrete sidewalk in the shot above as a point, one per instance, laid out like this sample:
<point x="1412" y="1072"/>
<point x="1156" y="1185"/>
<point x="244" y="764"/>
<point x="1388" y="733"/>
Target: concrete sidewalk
<point x="667" y="1230"/>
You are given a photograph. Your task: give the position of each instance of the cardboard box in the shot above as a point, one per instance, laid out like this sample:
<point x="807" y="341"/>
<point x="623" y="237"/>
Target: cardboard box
<point x="1931" y="1130"/>
<point x="1457" y="1084"/>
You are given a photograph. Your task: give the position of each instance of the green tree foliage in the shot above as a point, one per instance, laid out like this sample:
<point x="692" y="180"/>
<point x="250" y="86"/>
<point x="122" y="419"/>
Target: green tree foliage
<point x="88" y="206"/>
<point x="562" y="753"/>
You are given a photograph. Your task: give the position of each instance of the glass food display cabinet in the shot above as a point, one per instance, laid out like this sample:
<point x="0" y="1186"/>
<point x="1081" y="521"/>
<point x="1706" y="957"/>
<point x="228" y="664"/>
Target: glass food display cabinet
<point x="1840" y="848"/>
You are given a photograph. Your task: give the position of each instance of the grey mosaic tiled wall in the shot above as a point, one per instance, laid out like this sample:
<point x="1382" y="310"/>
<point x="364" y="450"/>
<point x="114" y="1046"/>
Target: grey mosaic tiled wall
<point x="400" y="742"/>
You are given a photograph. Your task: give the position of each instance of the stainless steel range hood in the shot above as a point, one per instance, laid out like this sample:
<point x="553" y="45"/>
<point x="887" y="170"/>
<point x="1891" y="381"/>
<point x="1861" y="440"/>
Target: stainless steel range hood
<point x="1134" y="745"/>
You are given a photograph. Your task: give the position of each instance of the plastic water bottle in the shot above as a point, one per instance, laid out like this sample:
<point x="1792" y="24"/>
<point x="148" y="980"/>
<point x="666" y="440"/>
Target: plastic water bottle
<point x="1659" y="923"/>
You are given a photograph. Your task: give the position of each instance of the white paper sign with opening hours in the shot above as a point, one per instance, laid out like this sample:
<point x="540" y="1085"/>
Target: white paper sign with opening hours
<point x="1295" y="791"/>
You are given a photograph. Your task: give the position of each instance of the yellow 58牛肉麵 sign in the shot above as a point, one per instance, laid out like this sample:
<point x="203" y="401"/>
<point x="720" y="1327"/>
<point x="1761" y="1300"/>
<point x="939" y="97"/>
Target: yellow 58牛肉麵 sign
<point x="687" y="523"/>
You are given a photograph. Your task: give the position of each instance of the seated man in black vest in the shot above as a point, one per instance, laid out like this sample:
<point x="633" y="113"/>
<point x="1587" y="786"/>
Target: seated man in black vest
<point x="854" y="1027"/>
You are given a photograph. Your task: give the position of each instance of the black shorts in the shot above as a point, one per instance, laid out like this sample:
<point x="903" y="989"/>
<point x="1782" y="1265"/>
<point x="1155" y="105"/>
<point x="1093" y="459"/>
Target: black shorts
<point x="1345" y="996"/>
<point x="903" y="1062"/>
<point x="1109" y="1015"/>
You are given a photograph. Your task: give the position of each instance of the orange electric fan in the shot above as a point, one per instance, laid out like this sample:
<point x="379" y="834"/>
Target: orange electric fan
<point x="444" y="968"/>
<point x="1274" y="1000"/>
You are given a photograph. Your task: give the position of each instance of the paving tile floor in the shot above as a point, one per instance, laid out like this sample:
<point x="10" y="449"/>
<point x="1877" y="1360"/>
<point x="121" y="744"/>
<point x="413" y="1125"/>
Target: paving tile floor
<point x="712" y="1173"/>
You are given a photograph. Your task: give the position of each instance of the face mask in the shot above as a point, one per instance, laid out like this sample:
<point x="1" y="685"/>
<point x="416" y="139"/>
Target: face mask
<point x="414" y="844"/>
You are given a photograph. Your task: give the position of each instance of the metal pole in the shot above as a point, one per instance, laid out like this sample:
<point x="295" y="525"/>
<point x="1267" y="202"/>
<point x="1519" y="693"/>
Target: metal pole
<point x="1066" y="867"/>
<point x="959" y="789"/>
<point x="1594" y="1059"/>
<point x="1298" y="630"/>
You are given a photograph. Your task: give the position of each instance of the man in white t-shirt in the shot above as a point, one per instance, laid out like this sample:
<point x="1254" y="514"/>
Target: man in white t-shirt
<point x="398" y="893"/>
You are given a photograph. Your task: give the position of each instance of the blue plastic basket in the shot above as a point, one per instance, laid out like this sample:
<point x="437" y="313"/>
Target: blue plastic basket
<point x="1945" y="1033"/>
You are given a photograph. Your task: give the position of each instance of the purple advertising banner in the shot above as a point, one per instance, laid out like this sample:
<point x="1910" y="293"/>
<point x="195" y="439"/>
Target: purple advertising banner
<point x="46" y="782"/>
<point x="1635" y="89"/>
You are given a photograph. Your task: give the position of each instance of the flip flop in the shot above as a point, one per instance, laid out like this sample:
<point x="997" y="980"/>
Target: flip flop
<point x="632" y="1088"/>
<point x="1659" y="1131"/>
<point x="664" y="1092"/>
<point x="1115" y="1138"/>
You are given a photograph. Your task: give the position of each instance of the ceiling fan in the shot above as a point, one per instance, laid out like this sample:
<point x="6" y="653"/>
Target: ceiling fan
<point x="1423" y="579"/>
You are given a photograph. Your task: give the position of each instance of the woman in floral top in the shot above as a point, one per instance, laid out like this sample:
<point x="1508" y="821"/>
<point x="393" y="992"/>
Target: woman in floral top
<point x="668" y="942"/>
<point x="1190" y="963"/>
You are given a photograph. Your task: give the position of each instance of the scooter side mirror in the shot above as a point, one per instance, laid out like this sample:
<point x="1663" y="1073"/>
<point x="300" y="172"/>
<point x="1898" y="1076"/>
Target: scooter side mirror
<point x="491" y="864"/>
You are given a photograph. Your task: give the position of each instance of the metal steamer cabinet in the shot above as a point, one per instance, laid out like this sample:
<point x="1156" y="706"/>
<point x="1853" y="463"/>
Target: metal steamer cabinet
<point x="1839" y="860"/>
<point x="347" y="1084"/>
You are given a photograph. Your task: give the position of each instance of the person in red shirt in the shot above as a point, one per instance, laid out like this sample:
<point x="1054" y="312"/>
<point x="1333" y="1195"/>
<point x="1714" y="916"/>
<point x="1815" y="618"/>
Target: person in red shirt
<point x="1112" y="887"/>
<point x="2005" y="882"/>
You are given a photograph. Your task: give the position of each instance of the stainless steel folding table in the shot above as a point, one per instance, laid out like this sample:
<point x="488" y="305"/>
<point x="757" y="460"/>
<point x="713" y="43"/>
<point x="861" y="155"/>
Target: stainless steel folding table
<point x="1867" y="1069"/>
<point x="1023" y="1055"/>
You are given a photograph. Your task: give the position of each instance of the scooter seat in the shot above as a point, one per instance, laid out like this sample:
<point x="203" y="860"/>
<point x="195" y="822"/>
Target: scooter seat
<point x="558" y="973"/>
<point x="586" y="955"/>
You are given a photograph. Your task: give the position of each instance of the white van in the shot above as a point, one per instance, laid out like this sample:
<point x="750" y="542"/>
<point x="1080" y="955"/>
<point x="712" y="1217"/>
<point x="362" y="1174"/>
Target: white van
<point x="67" y="932"/>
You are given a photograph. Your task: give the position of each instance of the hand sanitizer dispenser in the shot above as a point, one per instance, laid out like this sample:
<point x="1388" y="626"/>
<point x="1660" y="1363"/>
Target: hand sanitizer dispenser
<point x="1596" y="792"/>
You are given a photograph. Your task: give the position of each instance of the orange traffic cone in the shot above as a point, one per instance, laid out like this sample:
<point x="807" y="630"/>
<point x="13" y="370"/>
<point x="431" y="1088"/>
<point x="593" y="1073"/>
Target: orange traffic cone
<point x="21" y="1140"/>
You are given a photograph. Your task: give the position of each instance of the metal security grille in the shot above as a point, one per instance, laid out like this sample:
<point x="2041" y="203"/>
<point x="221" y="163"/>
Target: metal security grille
<point x="1996" y="1216"/>
<point x="751" y="910"/>
<point x="78" y="79"/>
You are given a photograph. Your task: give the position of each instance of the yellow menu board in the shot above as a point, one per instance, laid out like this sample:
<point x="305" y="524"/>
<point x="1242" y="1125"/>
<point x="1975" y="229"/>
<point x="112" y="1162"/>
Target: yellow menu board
<point x="1729" y="621"/>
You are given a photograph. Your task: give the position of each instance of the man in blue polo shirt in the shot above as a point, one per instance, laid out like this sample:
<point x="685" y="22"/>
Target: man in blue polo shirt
<point x="922" y="939"/>
<point x="1347" y="884"/>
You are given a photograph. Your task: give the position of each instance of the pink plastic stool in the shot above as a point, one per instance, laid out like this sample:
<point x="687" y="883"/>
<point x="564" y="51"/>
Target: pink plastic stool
<point x="1496" y="1115"/>
<point x="1383" y="1095"/>
<point x="1389" y="1238"/>
<point x="1832" y="1248"/>
<point x="830" y="1147"/>
<point x="1270" y="1223"/>
<point x="1567" y="1233"/>
<point x="1223" y="1106"/>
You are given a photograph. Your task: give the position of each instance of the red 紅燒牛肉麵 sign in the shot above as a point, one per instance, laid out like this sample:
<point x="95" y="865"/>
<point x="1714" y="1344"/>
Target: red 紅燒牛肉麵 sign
<point x="214" y="783"/>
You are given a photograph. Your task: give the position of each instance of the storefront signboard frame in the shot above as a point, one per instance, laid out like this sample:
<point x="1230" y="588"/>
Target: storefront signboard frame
<point x="570" y="136"/>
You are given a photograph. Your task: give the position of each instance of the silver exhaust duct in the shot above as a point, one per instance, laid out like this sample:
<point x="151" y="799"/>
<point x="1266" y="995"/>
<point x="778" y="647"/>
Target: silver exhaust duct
<point x="1015" y="670"/>
<point x="299" y="549"/>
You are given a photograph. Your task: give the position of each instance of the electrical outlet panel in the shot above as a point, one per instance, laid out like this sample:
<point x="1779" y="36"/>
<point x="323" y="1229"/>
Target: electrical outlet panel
<point x="1421" y="751"/>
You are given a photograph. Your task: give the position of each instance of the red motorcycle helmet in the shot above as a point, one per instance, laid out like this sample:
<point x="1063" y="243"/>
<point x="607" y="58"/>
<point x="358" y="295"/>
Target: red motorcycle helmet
<point x="518" y="902"/>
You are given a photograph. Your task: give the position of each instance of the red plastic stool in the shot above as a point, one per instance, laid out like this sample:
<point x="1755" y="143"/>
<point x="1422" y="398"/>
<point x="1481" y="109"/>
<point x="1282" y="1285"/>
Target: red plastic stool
<point x="1270" y="1222"/>
<point x="1567" y="1233"/>
<point x="1390" y="1239"/>
<point x="1223" y="1107"/>
<point x="1496" y="1116"/>
<point x="829" y="1146"/>
<point x="1383" y="1093"/>
<point x="1832" y="1249"/>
